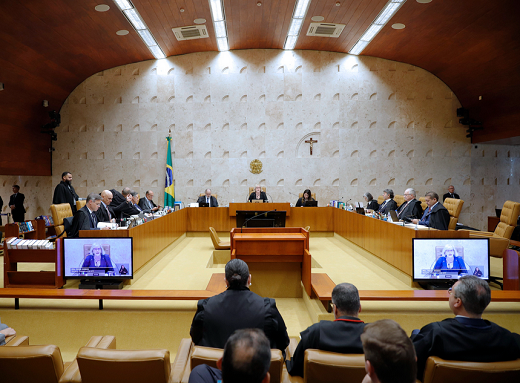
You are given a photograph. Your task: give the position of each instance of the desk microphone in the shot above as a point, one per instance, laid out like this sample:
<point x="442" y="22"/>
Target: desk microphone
<point x="254" y="217"/>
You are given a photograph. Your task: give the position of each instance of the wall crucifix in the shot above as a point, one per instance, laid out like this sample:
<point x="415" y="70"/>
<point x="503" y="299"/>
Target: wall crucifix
<point x="311" y="141"/>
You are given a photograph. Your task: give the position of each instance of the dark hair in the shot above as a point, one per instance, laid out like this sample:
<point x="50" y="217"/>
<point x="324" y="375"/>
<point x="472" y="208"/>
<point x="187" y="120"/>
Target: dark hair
<point x="432" y="195"/>
<point x="64" y="174"/>
<point x="390" y="192"/>
<point x="308" y="192"/>
<point x="390" y="352"/>
<point x="133" y="193"/>
<point x="93" y="197"/>
<point x="237" y="273"/>
<point x="345" y="297"/>
<point x="126" y="191"/>
<point x="474" y="293"/>
<point x="369" y="196"/>
<point x="247" y="357"/>
<point x="148" y="192"/>
<point x="16" y="186"/>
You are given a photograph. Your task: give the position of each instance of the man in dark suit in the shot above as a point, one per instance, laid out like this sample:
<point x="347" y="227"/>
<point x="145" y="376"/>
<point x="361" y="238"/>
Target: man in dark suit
<point x="389" y="353"/>
<point x="16" y="204"/>
<point x="146" y="202"/>
<point x="208" y="198"/>
<point x="237" y="308"/>
<point x="85" y="218"/>
<point x="411" y="208"/>
<point x="389" y="203"/>
<point x="258" y="194"/>
<point x="105" y="213"/>
<point x="436" y="216"/>
<point x="341" y="335"/>
<point x="119" y="198"/>
<point x="450" y="194"/>
<point x="129" y="206"/>
<point x="467" y="337"/>
<point x="65" y="193"/>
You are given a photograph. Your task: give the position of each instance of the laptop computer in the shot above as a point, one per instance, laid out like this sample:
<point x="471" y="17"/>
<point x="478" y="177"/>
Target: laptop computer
<point x="394" y="216"/>
<point x="203" y="204"/>
<point x="360" y="210"/>
<point x="310" y="204"/>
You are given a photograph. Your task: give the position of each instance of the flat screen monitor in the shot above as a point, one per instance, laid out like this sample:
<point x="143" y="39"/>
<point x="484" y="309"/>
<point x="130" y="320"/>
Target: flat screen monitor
<point x="437" y="260"/>
<point x="99" y="258"/>
<point x="203" y="204"/>
<point x="310" y="204"/>
<point x="248" y="218"/>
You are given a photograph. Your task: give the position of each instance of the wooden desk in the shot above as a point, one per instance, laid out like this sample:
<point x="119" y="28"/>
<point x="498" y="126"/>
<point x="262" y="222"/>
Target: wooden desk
<point x="233" y="207"/>
<point x="278" y="257"/>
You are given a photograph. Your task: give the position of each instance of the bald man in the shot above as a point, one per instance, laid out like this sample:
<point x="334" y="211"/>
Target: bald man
<point x="105" y="213"/>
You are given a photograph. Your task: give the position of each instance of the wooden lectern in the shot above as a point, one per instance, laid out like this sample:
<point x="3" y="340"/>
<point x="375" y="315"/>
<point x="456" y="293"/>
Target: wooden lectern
<point x="278" y="259"/>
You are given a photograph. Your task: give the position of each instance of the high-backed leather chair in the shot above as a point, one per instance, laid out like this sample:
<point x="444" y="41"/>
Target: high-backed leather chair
<point x="129" y="366"/>
<point x="424" y="205"/>
<point x="380" y="200"/>
<point x="80" y="204"/>
<point x="43" y="364"/>
<point x="213" y="195"/>
<point x="313" y="195"/>
<point x="399" y="199"/>
<point x="325" y="367"/>
<point x="59" y="212"/>
<point x="454" y="207"/>
<point x="217" y="242"/>
<point x="448" y="371"/>
<point x="16" y="340"/>
<point x="191" y="356"/>
<point x="252" y="189"/>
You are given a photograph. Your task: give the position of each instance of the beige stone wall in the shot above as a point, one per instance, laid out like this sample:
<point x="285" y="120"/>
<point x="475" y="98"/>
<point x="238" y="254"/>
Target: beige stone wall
<point x="378" y="124"/>
<point x="37" y="191"/>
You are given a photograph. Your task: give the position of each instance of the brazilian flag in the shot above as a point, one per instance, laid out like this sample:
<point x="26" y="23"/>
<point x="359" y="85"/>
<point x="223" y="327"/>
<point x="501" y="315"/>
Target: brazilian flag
<point x="169" y="190"/>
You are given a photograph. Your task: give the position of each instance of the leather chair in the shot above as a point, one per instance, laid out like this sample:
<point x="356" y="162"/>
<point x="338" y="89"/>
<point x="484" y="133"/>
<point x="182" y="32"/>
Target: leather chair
<point x="16" y="340"/>
<point x="448" y="371"/>
<point x="424" y="205"/>
<point x="59" y="212"/>
<point x="325" y="367"/>
<point x="399" y="199"/>
<point x="204" y="194"/>
<point x="380" y="200"/>
<point x="80" y="204"/>
<point x="129" y="366"/>
<point x="252" y="189"/>
<point x="43" y="363"/>
<point x="195" y="355"/>
<point x="217" y="242"/>
<point x="454" y="207"/>
<point x="313" y="195"/>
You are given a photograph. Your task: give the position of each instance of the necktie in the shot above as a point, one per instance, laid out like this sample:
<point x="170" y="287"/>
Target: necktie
<point x="403" y="209"/>
<point x="137" y="207"/>
<point x="108" y="211"/>
<point x="207" y="200"/>
<point x="94" y="221"/>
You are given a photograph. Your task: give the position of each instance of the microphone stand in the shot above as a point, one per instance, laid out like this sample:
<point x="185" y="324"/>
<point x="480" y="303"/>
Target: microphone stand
<point x="254" y="217"/>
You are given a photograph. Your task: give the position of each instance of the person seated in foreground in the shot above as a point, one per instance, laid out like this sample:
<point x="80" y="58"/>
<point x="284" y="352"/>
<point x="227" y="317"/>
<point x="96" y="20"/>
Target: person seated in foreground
<point x="371" y="202"/>
<point x="105" y="213"/>
<point x="5" y="330"/>
<point x="208" y="198"/>
<point x="237" y="308"/>
<point x="467" y="337"/>
<point x="341" y="335"/>
<point x="389" y="353"/>
<point x="389" y="203"/>
<point x="247" y="358"/>
<point x="306" y="197"/>
<point x="85" y="218"/>
<point x="436" y="216"/>
<point x="450" y="261"/>
<point x="411" y="207"/>
<point x="258" y="194"/>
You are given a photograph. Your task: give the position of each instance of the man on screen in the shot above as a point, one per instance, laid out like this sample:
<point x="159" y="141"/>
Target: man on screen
<point x="467" y="337"/>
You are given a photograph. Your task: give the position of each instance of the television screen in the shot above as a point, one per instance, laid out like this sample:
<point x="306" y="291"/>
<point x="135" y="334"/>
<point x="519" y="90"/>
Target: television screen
<point x="98" y="258"/>
<point x="448" y="259"/>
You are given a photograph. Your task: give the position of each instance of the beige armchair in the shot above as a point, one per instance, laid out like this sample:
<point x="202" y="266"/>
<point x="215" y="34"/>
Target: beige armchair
<point x="16" y="340"/>
<point x="424" y="205"/>
<point x="80" y="204"/>
<point x="313" y="195"/>
<point x="454" y="207"/>
<point x="399" y="199"/>
<point x="252" y="189"/>
<point x="212" y="194"/>
<point x="448" y="371"/>
<point x="59" y="212"/>
<point x="217" y="242"/>
<point x="325" y="367"/>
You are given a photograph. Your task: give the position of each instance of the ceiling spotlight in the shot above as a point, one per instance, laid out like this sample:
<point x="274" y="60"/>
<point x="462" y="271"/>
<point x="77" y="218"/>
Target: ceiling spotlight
<point x="199" y="21"/>
<point x="1" y="86"/>
<point x="45" y="103"/>
<point x="259" y="4"/>
<point x="182" y="10"/>
<point x="338" y="4"/>
<point x="398" y="26"/>
<point x="317" y="18"/>
<point x="122" y="32"/>
<point x="102" y="8"/>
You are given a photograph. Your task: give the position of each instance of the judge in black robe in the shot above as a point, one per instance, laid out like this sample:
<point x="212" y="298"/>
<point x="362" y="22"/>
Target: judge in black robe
<point x="64" y="192"/>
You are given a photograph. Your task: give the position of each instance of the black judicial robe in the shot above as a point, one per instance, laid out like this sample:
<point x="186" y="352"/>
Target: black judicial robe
<point x="64" y="193"/>
<point x="465" y="339"/>
<point x="385" y="208"/>
<point x="412" y="210"/>
<point x="342" y="336"/>
<point x="237" y="308"/>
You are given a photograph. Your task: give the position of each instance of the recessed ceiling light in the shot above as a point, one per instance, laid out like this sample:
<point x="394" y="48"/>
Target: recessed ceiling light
<point x="317" y="18"/>
<point x="199" y="21"/>
<point x="424" y="1"/>
<point x="338" y="4"/>
<point x="102" y="8"/>
<point x="182" y="10"/>
<point x="122" y="32"/>
<point x="398" y="26"/>
<point x="259" y="4"/>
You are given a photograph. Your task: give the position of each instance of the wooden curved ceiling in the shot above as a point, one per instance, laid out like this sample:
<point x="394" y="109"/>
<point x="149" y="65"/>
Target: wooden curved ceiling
<point x="48" y="47"/>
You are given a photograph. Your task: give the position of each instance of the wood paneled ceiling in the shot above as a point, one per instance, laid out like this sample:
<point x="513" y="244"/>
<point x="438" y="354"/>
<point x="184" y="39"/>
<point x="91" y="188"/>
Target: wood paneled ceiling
<point x="48" y="47"/>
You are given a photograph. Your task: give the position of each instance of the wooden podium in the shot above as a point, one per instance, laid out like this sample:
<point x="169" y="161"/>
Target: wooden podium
<point x="278" y="259"/>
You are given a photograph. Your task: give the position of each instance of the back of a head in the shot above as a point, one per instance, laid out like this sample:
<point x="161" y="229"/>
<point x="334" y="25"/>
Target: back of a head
<point x="345" y="297"/>
<point x="237" y="273"/>
<point x="247" y="357"/>
<point x="390" y="352"/>
<point x="125" y="191"/>
<point x="474" y="293"/>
